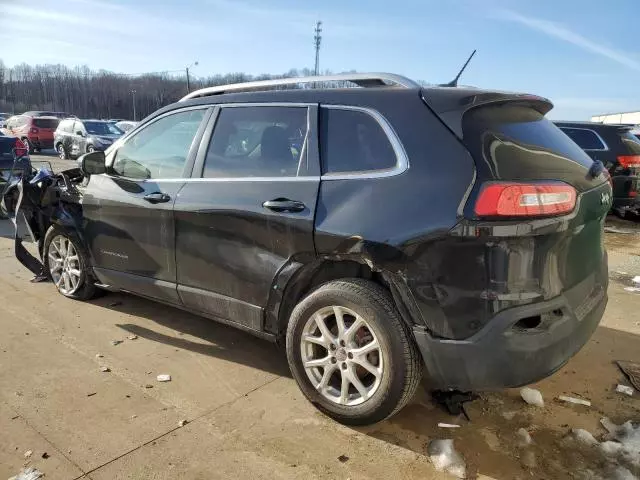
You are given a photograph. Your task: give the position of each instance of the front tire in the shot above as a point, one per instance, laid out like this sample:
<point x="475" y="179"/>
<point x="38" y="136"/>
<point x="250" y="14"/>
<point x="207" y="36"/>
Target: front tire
<point x="351" y="354"/>
<point x="62" y="153"/>
<point x="67" y="262"/>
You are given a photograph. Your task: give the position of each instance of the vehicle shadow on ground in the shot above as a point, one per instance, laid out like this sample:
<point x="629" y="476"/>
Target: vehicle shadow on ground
<point x="489" y="441"/>
<point x="196" y="334"/>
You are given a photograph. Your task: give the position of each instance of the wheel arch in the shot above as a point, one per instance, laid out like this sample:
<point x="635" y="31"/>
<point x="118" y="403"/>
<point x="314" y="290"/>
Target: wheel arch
<point x="296" y="280"/>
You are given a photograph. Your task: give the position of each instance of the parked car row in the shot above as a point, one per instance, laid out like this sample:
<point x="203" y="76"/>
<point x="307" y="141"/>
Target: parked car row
<point x="67" y="134"/>
<point x="619" y="150"/>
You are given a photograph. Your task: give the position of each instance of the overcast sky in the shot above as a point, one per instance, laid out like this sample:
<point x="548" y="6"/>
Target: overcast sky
<point x="584" y="55"/>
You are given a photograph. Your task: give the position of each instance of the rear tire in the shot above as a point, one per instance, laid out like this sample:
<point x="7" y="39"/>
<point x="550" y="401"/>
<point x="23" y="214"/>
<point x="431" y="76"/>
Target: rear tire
<point x="378" y="357"/>
<point x="67" y="262"/>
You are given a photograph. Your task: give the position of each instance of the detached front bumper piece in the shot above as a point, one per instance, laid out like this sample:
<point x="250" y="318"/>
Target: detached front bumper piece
<point x="519" y="346"/>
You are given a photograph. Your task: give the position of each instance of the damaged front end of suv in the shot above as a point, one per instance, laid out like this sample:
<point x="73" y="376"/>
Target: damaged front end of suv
<point x="36" y="200"/>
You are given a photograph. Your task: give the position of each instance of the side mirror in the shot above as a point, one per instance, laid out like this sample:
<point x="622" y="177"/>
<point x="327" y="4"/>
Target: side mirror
<point x="79" y="133"/>
<point x="92" y="163"/>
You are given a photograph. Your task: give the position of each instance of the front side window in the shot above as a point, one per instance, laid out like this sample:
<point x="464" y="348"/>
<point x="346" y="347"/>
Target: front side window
<point x="586" y="139"/>
<point x="353" y="141"/>
<point x="159" y="150"/>
<point x="256" y="142"/>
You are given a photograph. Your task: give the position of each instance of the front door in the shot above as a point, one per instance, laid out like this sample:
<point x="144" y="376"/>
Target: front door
<point x="129" y="210"/>
<point x="250" y="211"/>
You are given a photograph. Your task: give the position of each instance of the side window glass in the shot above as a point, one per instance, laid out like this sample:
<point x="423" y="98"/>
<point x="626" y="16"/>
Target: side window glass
<point x="586" y="139"/>
<point x="353" y="141"/>
<point x="256" y="142"/>
<point x="159" y="150"/>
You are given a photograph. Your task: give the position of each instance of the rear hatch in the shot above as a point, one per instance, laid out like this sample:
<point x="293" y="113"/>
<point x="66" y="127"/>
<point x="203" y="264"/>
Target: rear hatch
<point x="538" y="204"/>
<point x="44" y="127"/>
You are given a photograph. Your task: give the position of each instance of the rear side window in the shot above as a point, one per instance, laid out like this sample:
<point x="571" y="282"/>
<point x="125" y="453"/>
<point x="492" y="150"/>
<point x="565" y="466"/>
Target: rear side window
<point x="46" y="123"/>
<point x="585" y="138"/>
<point x="257" y="142"/>
<point x="352" y="141"/>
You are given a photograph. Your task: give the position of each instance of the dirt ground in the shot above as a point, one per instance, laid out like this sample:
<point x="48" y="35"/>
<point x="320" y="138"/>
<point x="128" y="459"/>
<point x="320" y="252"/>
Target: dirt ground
<point x="246" y="417"/>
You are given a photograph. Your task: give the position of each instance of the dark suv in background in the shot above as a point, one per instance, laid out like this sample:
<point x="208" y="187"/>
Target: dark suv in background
<point x="328" y="220"/>
<point x="619" y="150"/>
<point x="74" y="136"/>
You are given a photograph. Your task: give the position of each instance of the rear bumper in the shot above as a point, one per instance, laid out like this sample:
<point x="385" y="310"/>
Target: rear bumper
<point x="504" y="355"/>
<point x="39" y="142"/>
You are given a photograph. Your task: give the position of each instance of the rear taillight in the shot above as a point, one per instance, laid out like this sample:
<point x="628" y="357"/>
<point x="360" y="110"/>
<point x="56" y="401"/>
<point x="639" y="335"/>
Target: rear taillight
<point x="629" y="161"/>
<point x="33" y="130"/>
<point x="20" y="148"/>
<point x="525" y="199"/>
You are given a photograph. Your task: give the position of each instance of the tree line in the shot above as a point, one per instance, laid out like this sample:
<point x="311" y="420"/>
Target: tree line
<point x="102" y="94"/>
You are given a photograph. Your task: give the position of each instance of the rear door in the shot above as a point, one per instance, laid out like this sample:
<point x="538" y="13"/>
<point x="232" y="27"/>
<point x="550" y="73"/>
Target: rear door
<point x="250" y="209"/>
<point x="128" y="212"/>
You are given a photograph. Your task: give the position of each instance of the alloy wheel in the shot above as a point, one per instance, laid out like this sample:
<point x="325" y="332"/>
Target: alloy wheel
<point x="64" y="265"/>
<point x="341" y="356"/>
<point x="61" y="152"/>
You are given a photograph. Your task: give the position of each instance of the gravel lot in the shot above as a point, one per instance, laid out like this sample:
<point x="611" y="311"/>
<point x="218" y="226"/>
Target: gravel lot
<point x="246" y="417"/>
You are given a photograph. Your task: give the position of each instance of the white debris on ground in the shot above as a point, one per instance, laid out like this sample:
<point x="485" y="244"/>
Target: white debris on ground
<point x="632" y="289"/>
<point x="105" y="369"/>
<point x="132" y="337"/>
<point x="448" y="425"/>
<point x="524" y="438"/>
<point x="28" y="453"/>
<point x="445" y="458"/>
<point x="182" y="423"/>
<point x="577" y="401"/>
<point x="28" y="474"/>
<point x="636" y="279"/>
<point x="584" y="437"/>
<point x="532" y="396"/>
<point x="164" y="378"/>
<point x="625" y="389"/>
<point x="622" y="440"/>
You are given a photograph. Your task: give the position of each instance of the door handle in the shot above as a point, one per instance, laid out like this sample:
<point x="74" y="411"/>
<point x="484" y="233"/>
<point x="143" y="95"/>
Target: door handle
<point x="157" y="197"/>
<point x="284" y="205"/>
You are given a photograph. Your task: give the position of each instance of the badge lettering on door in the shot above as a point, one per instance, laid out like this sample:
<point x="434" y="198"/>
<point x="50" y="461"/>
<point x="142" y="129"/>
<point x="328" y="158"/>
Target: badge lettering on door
<point x="114" y="254"/>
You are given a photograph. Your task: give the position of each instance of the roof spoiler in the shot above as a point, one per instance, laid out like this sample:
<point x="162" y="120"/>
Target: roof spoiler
<point x="451" y="104"/>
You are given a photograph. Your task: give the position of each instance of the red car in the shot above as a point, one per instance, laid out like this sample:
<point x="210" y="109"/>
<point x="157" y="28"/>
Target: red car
<point x="35" y="131"/>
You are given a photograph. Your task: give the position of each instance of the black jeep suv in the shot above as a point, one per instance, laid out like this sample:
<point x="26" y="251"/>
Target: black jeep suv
<point x="619" y="150"/>
<point x="378" y="231"/>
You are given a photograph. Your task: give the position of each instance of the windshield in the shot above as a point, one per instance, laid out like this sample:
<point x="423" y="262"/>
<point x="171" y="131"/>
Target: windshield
<point x="102" y="128"/>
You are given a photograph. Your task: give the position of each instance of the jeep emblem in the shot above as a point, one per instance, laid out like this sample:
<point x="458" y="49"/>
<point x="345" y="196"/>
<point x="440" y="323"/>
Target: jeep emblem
<point x="605" y="198"/>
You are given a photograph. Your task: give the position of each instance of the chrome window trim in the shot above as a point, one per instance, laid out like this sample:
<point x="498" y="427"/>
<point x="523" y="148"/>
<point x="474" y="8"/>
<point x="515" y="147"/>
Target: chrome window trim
<point x="402" y="160"/>
<point x="604" y="144"/>
<point x="307" y="178"/>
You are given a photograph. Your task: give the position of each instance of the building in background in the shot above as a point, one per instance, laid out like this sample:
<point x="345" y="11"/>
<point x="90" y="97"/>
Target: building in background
<point x="623" y="117"/>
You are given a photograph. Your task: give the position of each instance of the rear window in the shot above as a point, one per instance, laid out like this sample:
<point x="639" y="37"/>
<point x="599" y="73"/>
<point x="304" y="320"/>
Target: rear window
<point x="523" y="129"/>
<point x="585" y="138"/>
<point x="353" y="141"/>
<point x="46" y="123"/>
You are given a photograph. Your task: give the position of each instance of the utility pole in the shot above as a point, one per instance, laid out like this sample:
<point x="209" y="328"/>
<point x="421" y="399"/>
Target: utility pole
<point x="133" y="94"/>
<point x="194" y="64"/>
<point x="317" y="39"/>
